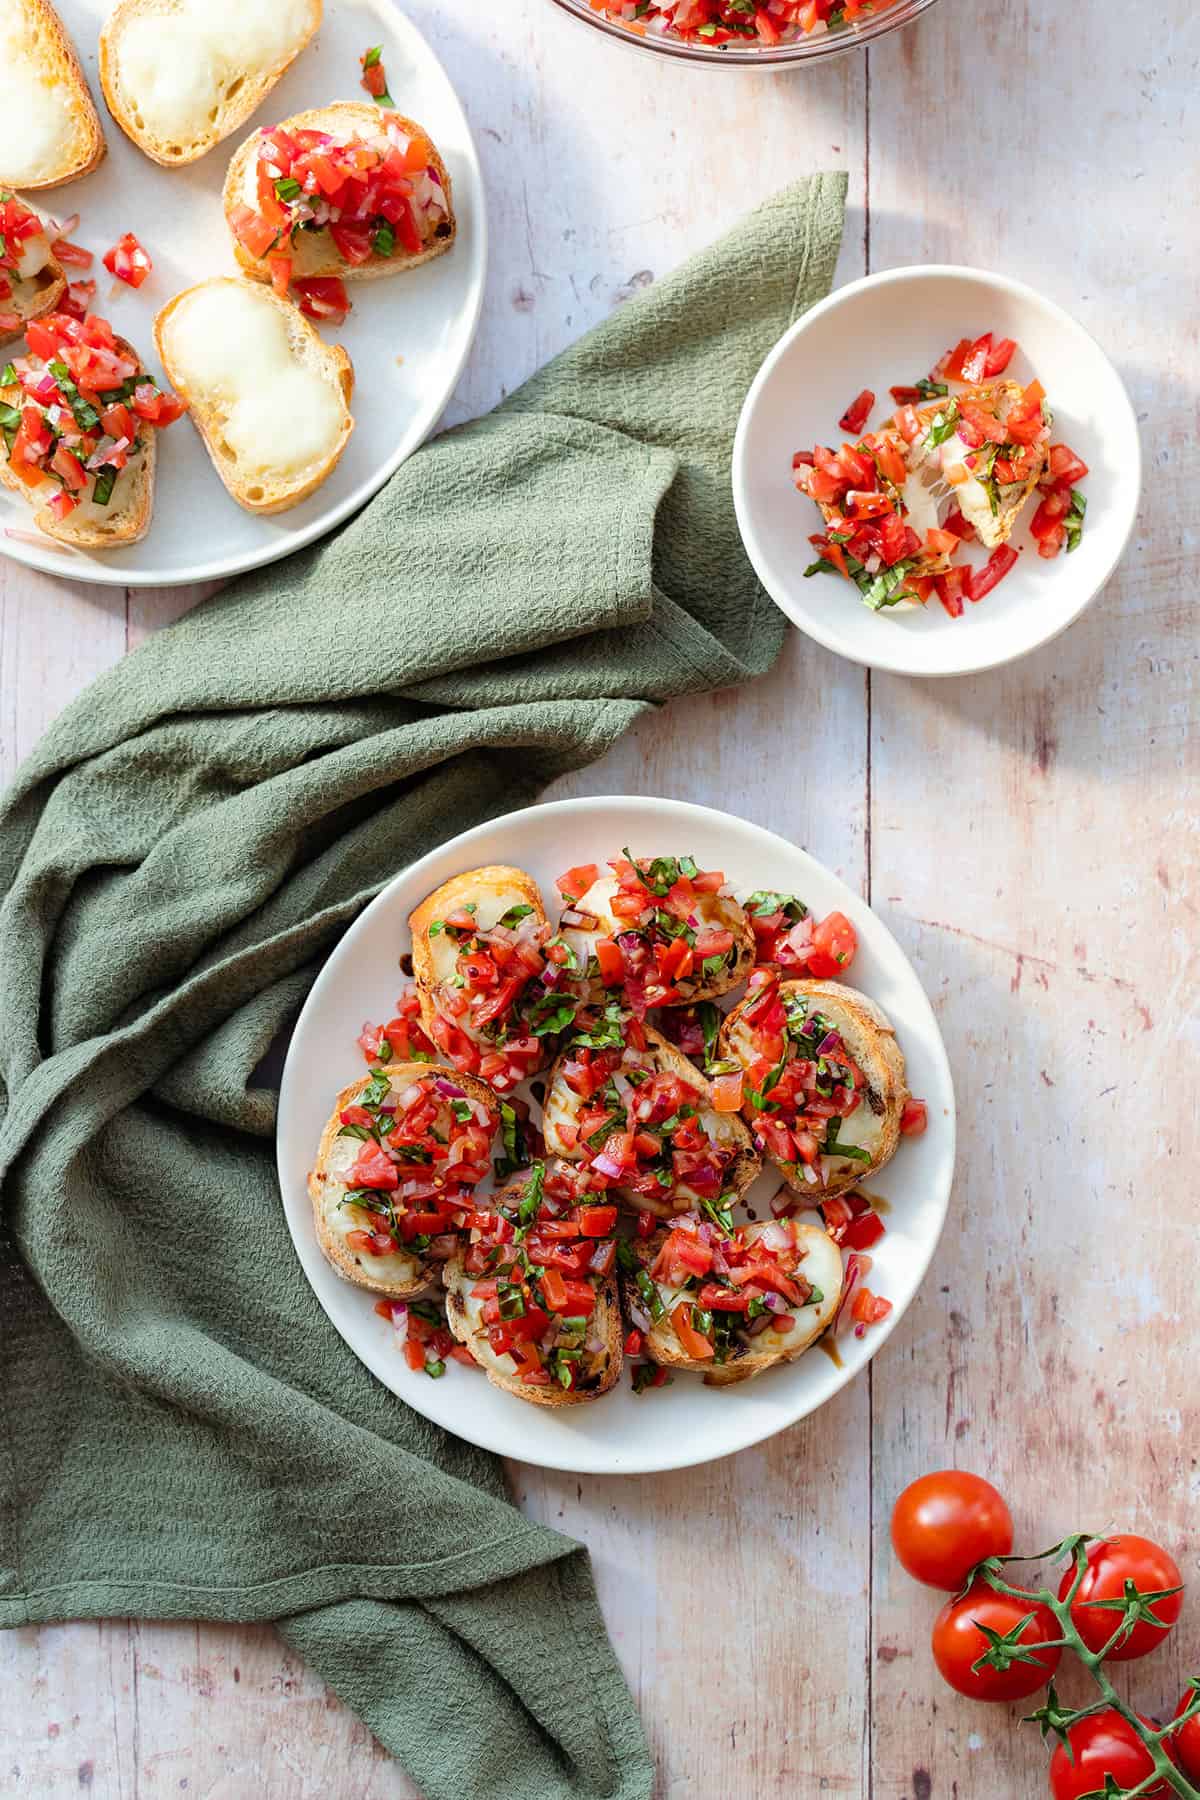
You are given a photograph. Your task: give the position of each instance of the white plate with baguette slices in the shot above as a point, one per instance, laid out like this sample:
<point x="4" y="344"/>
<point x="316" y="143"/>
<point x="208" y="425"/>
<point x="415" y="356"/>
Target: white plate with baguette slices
<point x="110" y="131"/>
<point x="618" y="1431"/>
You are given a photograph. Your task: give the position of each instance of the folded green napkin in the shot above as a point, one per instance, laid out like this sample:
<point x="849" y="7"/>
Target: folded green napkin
<point x="184" y="1433"/>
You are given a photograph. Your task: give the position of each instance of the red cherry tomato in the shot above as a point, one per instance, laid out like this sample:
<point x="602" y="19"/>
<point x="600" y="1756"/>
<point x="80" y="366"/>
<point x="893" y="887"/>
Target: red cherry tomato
<point x="1105" y="1744"/>
<point x="1111" y="1563"/>
<point x="958" y="1643"/>
<point x="1185" y="1743"/>
<point x="943" y="1524"/>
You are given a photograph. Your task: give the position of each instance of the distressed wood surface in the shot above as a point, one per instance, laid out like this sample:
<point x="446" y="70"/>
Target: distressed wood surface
<point x="1029" y="835"/>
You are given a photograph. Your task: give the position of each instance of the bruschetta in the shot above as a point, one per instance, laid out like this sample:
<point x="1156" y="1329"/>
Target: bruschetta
<point x="180" y="75"/>
<point x="965" y="454"/>
<point x="823" y="1080"/>
<point x="32" y="280"/>
<point x="478" y="961"/>
<point x="730" y="1305"/>
<point x="644" y="1122"/>
<point x="49" y="128"/>
<point x="79" y="419"/>
<point x="395" y="1172"/>
<point x="343" y="190"/>
<point x="659" y="929"/>
<point x="270" y="399"/>
<point x="534" y="1295"/>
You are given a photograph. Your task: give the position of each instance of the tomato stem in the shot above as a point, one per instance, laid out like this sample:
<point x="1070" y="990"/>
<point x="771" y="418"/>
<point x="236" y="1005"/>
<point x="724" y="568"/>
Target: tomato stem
<point x="1093" y="1660"/>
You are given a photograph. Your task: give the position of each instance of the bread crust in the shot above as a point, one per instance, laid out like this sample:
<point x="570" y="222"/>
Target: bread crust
<point x="250" y="95"/>
<point x="316" y="252"/>
<point x="871" y="1040"/>
<point x="336" y="366"/>
<point x="49" y="285"/>
<point x="608" y="1308"/>
<point x="127" y="524"/>
<point x="494" y="878"/>
<point x="61" y="61"/>
<point x="742" y="1172"/>
<point x="662" y="1344"/>
<point x="322" y="1184"/>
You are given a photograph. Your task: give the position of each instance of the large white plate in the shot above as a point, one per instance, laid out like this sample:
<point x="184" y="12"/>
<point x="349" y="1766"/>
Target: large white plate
<point x="408" y="337"/>
<point x="687" y="1423"/>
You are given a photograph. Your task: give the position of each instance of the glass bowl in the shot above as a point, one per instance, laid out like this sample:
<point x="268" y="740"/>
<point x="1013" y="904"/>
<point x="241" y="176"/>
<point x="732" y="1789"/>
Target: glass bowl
<point x="810" y="48"/>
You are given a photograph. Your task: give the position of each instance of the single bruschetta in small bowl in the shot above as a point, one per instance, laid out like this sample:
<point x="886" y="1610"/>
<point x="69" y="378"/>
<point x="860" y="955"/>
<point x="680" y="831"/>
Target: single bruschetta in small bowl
<point x="79" y="419"/>
<point x="395" y="1173"/>
<point x="823" y="1080"/>
<point x="729" y="1305"/>
<point x="641" y="1120"/>
<point x="346" y="191"/>
<point x="533" y="1294"/>
<point x="478" y="958"/>
<point x="660" y="930"/>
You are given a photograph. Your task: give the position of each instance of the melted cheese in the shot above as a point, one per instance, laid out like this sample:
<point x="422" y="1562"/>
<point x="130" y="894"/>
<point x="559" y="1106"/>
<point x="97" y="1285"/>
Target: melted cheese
<point x="230" y="347"/>
<point x="341" y="1220"/>
<point x="37" y="128"/>
<point x="179" y="67"/>
<point x="35" y="254"/>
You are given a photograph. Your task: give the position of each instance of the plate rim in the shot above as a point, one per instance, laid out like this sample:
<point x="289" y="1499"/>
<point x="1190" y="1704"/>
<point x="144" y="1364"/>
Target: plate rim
<point x="308" y="1251"/>
<point x="63" y="565"/>
<point x="889" y="657"/>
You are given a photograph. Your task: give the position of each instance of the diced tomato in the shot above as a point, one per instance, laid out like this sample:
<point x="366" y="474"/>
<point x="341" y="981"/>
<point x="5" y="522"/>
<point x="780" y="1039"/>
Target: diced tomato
<point x="908" y="424"/>
<point x="576" y="882"/>
<point x="857" y="413"/>
<point x="834" y="942"/>
<point x="986" y="424"/>
<point x="281" y="274"/>
<point x="869" y="1308"/>
<point x="690" y="1340"/>
<point x="1065" y="467"/>
<point x="414" y="1354"/>
<point x="128" y="261"/>
<point x="634" y="1342"/>
<point x="64" y="462"/>
<point x="353" y="242"/>
<point x="914" y="1118"/>
<point x="374" y="78"/>
<point x="322" y="297"/>
<point x="374" y="1169"/>
<point x="941" y="543"/>
<point x="982" y="581"/>
<point x="974" y="364"/>
<point x="647" y="1225"/>
<point x="951" y="588"/>
<point x="727" y="1093"/>
<point x="72" y="256"/>
<point x="252" y="231"/>
<point x="371" y="1243"/>
<point x="960" y="527"/>
<point x="1025" y="423"/>
<point x="999" y="356"/>
<point x="864" y="1232"/>
<point x="951" y="365"/>
<point x="612" y="965"/>
<point x="61" y="504"/>
<point x="597" y="1221"/>
<point x="891" y="464"/>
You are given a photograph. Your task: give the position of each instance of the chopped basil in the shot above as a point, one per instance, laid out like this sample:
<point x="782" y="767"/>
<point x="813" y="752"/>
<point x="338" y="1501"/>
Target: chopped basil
<point x="372" y="56"/>
<point x="287" y="189"/>
<point x="10" y="418"/>
<point x="383" y="243"/>
<point x="376" y="1090"/>
<point x="710" y="1024"/>
<point x="815" y="1298"/>
<point x="435" y="1370"/>
<point x="436" y="928"/>
<point x="355" y="1131"/>
<point x="756" y="1308"/>
<point x="8" y="376"/>
<point x="650" y="1294"/>
<point x="822" y="566"/>
<point x="515" y="914"/>
<point x="85" y="416"/>
<point x="764" y="902"/>
<point x="886" y="588"/>
<point x="931" y="390"/>
<point x="1074" y="520"/>
<point x="608" y="1033"/>
<point x="626" y="1255"/>
<point x="942" y="428"/>
<point x="552" y="1012"/>
<point x="462" y="1111"/>
<point x="715" y="965"/>
<point x="701" y="1321"/>
<point x="831" y="1146"/>
<point x="758" y="1096"/>
<point x="513" y="1140"/>
<point x="720" y="1215"/>
<point x="510" y="1300"/>
<point x="531" y="1199"/>
<point x="106" y="481"/>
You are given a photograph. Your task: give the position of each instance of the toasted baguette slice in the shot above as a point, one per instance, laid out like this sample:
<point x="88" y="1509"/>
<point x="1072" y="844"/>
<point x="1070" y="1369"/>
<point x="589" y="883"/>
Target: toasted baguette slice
<point x="269" y="397"/>
<point x="971" y="496"/>
<point x="314" y="252"/>
<point x="126" y="518"/>
<point x="750" y="1356"/>
<point x="402" y="1275"/>
<point x="38" y="282"/>
<point x="562" y="1107"/>
<point x="874" y="1127"/>
<point x="180" y="75"/>
<point x="716" y="910"/>
<point x="602" y="1367"/>
<point x="491" y="891"/>
<point x="49" y="128"/>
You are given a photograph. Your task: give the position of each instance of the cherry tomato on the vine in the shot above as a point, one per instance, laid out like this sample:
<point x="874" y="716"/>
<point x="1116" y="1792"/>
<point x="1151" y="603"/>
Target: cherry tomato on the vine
<point x="943" y="1524"/>
<point x="958" y="1643"/>
<point x="1186" y="1741"/>
<point x="1111" y="1562"/>
<point x="1102" y="1745"/>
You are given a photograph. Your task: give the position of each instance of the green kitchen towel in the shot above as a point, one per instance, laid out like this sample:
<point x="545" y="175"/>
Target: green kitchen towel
<point x="184" y="1434"/>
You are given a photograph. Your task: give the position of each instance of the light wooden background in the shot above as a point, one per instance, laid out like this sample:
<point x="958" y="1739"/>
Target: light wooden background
<point x="1030" y="837"/>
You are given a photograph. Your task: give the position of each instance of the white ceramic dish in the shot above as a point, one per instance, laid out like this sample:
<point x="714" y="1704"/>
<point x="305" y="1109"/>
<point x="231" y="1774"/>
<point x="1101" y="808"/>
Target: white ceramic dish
<point x="887" y="330"/>
<point x="687" y="1423"/>
<point x="408" y="338"/>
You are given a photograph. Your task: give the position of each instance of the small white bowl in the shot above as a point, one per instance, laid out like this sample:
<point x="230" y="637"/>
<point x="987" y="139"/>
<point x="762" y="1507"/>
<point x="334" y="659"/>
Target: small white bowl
<point x="887" y="330"/>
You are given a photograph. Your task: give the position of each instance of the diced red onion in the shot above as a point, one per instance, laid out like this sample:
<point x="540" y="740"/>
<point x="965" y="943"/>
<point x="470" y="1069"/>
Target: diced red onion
<point x="829" y="1043"/>
<point x="754" y="1326"/>
<point x="408" y="1097"/>
<point x="640" y="1319"/>
<point x="449" y="1088"/>
<point x="604" y="1165"/>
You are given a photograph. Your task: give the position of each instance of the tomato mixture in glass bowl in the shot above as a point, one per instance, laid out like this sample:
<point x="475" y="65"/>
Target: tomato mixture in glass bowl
<point x="746" y="33"/>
